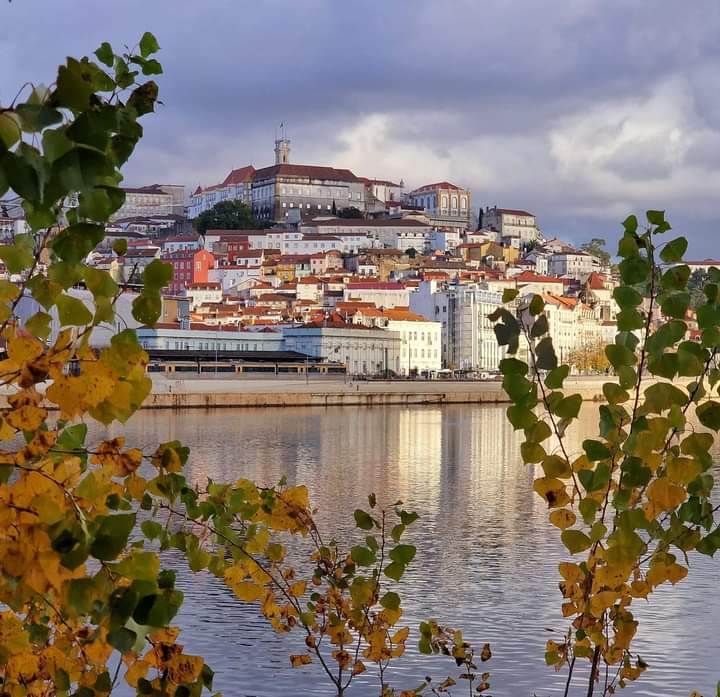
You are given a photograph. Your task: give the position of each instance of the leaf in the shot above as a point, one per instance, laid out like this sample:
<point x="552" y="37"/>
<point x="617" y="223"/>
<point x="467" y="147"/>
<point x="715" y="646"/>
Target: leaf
<point x="403" y="554"/>
<point x="36" y="117"/>
<point x="509" y="294"/>
<point x="363" y="520"/>
<point x="157" y="275"/>
<point x="674" y="250"/>
<point x="147" y="309"/>
<point x="395" y="570"/>
<point x="363" y="556"/>
<point x="105" y="54"/>
<point x="596" y="450"/>
<point x="555" y="378"/>
<point x="709" y="414"/>
<point x="72" y="311"/>
<point x="655" y="217"/>
<point x="296" y="661"/>
<point x="390" y="601"/>
<point x="575" y="541"/>
<point x="122" y="639"/>
<point x="626" y="296"/>
<point x="112" y="536"/>
<point x="10" y="129"/>
<point x="562" y="518"/>
<point x="569" y="407"/>
<point x="148" y="45"/>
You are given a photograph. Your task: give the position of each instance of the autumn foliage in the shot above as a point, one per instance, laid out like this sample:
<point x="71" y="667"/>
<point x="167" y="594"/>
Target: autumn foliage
<point x="85" y="601"/>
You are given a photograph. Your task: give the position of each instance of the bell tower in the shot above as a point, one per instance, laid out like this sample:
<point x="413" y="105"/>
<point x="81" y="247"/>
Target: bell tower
<point x="282" y="151"/>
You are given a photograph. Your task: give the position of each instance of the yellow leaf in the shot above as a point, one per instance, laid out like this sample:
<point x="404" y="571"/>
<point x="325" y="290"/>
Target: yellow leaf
<point x="571" y="572"/>
<point x="301" y="660"/>
<point x="358" y="668"/>
<point x="562" y="518"/>
<point x="297" y="589"/>
<point x="664" y="495"/>
<point x="26" y="418"/>
<point x="184" y="669"/>
<point x="247" y="591"/>
<point x="552" y="490"/>
<point x="400" y="636"/>
<point x="676" y="573"/>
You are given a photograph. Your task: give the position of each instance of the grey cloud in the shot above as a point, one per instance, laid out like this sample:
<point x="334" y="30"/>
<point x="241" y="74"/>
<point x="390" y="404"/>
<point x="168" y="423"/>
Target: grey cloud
<point x="482" y="92"/>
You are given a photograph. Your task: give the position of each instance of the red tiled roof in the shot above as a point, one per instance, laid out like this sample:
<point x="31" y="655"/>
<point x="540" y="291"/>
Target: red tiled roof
<point x="530" y="277"/>
<point x="438" y="185"/>
<point x="305" y="171"/>
<point x="379" y="285"/>
<point x="361" y="222"/>
<point x="514" y="211"/>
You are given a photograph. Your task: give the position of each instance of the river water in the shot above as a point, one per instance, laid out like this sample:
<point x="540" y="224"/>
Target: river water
<point x="487" y="557"/>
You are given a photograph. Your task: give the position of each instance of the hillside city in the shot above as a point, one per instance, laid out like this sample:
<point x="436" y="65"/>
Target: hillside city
<point x="359" y="275"/>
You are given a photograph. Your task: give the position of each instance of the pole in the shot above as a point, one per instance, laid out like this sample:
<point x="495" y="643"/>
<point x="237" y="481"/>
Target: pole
<point x="217" y="341"/>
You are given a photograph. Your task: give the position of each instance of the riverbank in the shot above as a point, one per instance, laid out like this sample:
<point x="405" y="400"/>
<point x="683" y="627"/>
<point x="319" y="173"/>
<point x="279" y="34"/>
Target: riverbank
<point x="171" y="393"/>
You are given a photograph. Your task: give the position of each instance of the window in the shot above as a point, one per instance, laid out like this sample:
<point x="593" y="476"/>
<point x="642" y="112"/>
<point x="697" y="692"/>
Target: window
<point x="284" y="205"/>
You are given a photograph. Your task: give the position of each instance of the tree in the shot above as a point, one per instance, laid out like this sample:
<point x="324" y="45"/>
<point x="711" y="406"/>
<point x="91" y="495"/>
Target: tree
<point x="596" y="247"/>
<point x="350" y="212"/>
<point x="229" y="215"/>
<point x="84" y="530"/>
<point x="411" y="252"/>
<point x="589" y="357"/>
<point x="695" y="286"/>
<point x="635" y="505"/>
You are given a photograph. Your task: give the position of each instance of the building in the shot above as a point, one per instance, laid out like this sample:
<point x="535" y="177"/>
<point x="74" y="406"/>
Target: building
<point x="512" y="226"/>
<point x="235" y="187"/>
<point x="421" y="347"/>
<point x="202" y="293"/>
<point x="445" y="204"/>
<point x="467" y="335"/>
<point x="364" y="351"/>
<point x="311" y="190"/>
<point x="572" y="263"/>
<point x="152" y="200"/>
<point x="394" y="233"/>
<point x="173" y="337"/>
<point x="383" y="294"/>
<point x="189" y="266"/>
<point x="704" y="265"/>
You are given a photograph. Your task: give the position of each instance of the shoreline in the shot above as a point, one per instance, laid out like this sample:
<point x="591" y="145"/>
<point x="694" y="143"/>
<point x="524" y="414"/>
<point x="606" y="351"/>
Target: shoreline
<point x="211" y="393"/>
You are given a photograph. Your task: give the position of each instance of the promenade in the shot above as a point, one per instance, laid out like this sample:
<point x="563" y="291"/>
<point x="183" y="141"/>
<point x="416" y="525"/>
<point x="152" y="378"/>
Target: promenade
<point x="209" y="392"/>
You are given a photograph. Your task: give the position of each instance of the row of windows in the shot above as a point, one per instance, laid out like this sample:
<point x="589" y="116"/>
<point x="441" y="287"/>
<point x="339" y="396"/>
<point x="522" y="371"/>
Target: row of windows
<point x="420" y="353"/>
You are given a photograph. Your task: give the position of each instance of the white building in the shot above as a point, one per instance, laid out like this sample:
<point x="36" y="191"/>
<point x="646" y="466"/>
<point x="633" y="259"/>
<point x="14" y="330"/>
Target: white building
<point x="396" y="233"/>
<point x="421" y="348"/>
<point x="364" y="351"/>
<point x="572" y="263"/>
<point x="468" y="338"/>
<point x="174" y="338"/>
<point x="201" y="293"/>
<point x="384" y="294"/>
<point x="235" y="187"/>
<point x="516" y="226"/>
<point x="152" y="200"/>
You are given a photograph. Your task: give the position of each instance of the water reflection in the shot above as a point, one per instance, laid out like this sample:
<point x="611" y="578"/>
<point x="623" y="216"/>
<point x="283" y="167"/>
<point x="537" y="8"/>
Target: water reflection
<point x="487" y="556"/>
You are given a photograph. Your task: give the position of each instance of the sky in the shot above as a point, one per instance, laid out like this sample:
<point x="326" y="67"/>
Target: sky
<point x="580" y="111"/>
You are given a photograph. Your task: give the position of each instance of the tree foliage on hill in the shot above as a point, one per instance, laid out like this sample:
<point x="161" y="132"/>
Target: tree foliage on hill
<point x="350" y="212"/>
<point x="229" y="215"/>
<point x="634" y="506"/>
<point x="596" y="248"/>
<point x="85" y="600"/>
<point x="696" y="283"/>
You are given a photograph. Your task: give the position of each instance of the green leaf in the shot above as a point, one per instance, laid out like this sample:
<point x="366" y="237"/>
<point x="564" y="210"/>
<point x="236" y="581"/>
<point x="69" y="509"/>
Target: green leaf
<point x="596" y="450"/>
<point x="72" y="311"/>
<point x="630" y="223"/>
<point x="81" y="169"/>
<point x="569" y="407"/>
<point x="614" y="393"/>
<point x="151" y="529"/>
<point x="105" y="54"/>
<point x="148" y="45"/>
<point x="656" y="217"/>
<point x="626" y="296"/>
<point x="620" y="355"/>
<point x="18" y="256"/>
<point x="363" y="520"/>
<point x="520" y="417"/>
<point x="147" y="309"/>
<point x="510" y="366"/>
<point x="545" y="355"/>
<point x="122" y="639"/>
<point x="509" y="294"/>
<point x="556" y="377"/>
<point x="363" y="556"/>
<point x="403" y="554"/>
<point x="634" y="270"/>
<point x="390" y="601"/>
<point x="676" y="305"/>
<point x="157" y="275"/>
<point x="575" y="541"/>
<point x="112" y="536"/>
<point x="709" y="414"/>
<point x="537" y="305"/>
<point x="21" y="176"/>
<point x="395" y="570"/>
<point x="540" y="326"/>
<point x="10" y="129"/>
<point x="674" y="250"/>
<point x="36" y="117"/>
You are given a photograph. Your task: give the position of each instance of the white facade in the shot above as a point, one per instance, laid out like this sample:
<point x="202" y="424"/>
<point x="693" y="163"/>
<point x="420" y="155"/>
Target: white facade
<point x="364" y="351"/>
<point x="421" y="348"/>
<point x="148" y="201"/>
<point x="201" y="293"/>
<point x="177" y="339"/>
<point x="396" y="234"/>
<point x="574" y="264"/>
<point x="513" y="225"/>
<point x="385" y="295"/>
<point x="468" y="338"/>
<point x="230" y="275"/>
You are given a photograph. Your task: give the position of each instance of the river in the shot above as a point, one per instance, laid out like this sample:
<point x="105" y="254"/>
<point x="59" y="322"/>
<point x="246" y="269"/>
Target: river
<point x="487" y="557"/>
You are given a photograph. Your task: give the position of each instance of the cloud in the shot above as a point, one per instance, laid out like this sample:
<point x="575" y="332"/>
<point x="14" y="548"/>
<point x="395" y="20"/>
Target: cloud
<point x="580" y="110"/>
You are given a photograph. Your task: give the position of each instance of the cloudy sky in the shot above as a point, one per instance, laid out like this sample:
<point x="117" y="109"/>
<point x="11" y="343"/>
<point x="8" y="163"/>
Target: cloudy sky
<point x="578" y="110"/>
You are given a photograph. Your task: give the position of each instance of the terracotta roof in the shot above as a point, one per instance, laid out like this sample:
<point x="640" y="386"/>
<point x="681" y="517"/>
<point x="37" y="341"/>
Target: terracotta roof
<point x="403" y="314"/>
<point x="305" y="171"/>
<point x="438" y="185"/>
<point x="596" y="281"/>
<point x="203" y="286"/>
<point x="530" y="277"/>
<point x="514" y="211"/>
<point x="380" y="285"/>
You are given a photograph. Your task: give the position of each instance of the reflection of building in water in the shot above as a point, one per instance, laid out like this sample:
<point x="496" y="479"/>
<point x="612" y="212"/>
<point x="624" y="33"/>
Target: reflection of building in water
<point x="419" y="453"/>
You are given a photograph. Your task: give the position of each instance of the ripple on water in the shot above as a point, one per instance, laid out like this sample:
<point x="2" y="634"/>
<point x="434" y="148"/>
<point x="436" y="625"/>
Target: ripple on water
<point x="486" y="554"/>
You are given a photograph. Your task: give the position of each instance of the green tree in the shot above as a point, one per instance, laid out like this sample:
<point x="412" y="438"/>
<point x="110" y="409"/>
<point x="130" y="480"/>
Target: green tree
<point x="229" y="215"/>
<point x="84" y="529"/>
<point x="350" y="212"/>
<point x="596" y="247"/>
<point x="634" y="506"/>
<point x="695" y="286"/>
